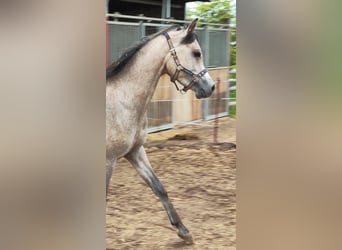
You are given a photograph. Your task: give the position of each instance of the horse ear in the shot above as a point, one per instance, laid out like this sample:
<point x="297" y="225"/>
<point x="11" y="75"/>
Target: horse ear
<point x="192" y="25"/>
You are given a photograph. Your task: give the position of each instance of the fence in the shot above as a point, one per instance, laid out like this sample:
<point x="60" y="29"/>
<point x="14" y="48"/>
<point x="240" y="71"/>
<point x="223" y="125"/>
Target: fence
<point x="167" y="106"/>
<point x="232" y="87"/>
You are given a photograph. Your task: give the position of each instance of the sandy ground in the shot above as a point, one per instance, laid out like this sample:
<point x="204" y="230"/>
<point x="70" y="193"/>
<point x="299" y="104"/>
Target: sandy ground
<point x="200" y="178"/>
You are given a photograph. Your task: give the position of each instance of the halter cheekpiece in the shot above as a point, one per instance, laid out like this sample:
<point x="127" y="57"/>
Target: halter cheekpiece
<point x="180" y="67"/>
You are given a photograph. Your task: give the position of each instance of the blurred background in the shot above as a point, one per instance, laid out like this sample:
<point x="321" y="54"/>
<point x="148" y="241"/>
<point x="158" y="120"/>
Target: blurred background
<point x="52" y="132"/>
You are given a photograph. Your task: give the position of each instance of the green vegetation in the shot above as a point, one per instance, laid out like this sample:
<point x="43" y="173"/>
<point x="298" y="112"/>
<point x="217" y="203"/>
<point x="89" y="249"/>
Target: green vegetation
<point x="215" y="11"/>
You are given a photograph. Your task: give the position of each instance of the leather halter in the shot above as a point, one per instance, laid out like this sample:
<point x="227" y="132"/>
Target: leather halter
<point x="180" y="67"/>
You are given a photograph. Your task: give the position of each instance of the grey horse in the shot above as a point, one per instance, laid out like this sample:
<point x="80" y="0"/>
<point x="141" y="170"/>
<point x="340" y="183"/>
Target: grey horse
<point x="131" y="82"/>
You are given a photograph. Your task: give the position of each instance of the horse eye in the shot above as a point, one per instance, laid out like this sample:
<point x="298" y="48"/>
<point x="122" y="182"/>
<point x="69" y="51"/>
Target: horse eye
<point x="197" y="54"/>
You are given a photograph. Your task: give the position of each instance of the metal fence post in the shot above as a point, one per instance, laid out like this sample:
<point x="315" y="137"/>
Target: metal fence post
<point x="141" y="29"/>
<point x="166" y="9"/>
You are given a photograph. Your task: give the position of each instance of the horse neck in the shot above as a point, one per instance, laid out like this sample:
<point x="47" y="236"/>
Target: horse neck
<point x="143" y="74"/>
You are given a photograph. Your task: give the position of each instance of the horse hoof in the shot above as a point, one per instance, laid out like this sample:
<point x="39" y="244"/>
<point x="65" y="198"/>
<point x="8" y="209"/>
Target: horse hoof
<point x="187" y="237"/>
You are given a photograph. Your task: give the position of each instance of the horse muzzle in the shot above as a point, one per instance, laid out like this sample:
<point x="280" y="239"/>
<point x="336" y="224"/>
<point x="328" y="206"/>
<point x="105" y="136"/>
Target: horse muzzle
<point x="204" y="89"/>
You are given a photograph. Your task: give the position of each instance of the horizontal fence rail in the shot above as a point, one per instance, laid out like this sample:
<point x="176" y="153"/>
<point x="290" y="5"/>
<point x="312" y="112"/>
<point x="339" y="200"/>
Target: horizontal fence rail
<point x="169" y="20"/>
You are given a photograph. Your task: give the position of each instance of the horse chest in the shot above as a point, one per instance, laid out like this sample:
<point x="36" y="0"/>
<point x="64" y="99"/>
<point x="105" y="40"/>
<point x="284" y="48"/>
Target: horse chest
<point x="122" y="137"/>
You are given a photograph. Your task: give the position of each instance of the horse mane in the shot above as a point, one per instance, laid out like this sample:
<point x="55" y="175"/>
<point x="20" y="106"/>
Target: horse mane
<point x="116" y="67"/>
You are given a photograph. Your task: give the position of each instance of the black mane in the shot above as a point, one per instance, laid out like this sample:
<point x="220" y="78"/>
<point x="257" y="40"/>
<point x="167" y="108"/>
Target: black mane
<point x="119" y="64"/>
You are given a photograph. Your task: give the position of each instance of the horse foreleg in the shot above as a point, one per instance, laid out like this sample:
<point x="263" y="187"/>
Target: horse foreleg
<point x="139" y="160"/>
<point x="110" y="164"/>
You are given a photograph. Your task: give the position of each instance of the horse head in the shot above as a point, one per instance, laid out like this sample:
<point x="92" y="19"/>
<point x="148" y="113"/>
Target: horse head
<point x="185" y="62"/>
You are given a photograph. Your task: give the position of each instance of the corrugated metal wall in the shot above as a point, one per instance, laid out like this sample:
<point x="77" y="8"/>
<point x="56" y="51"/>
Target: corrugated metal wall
<point x="120" y="38"/>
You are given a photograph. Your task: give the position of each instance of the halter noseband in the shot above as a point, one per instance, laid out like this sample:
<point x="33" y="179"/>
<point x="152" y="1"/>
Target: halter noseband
<point x="180" y="67"/>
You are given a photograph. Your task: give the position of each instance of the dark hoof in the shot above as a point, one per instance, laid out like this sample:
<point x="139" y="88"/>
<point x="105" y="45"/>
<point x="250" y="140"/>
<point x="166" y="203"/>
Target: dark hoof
<point x="187" y="237"/>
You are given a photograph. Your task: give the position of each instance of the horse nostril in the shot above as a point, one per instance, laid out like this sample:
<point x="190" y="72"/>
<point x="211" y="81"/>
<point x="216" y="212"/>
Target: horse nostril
<point x="213" y="88"/>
